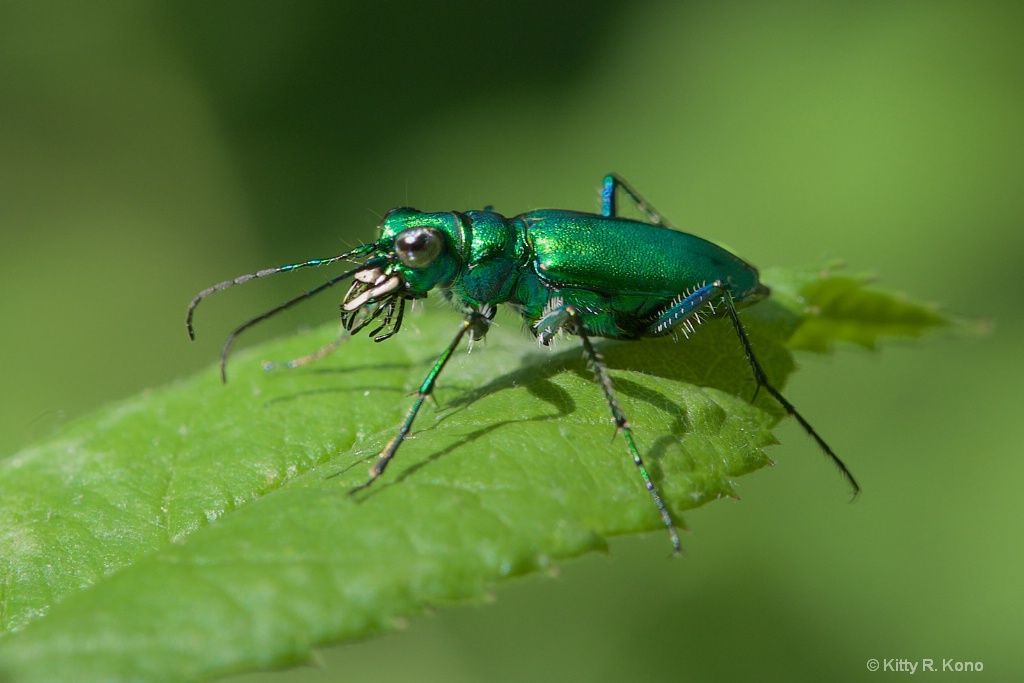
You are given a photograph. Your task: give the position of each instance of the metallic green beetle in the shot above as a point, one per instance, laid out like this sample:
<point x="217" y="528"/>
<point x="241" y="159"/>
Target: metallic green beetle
<point x="583" y="274"/>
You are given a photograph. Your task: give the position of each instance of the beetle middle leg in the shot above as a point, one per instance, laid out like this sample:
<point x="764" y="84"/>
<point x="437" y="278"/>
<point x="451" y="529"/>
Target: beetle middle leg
<point x="565" y="317"/>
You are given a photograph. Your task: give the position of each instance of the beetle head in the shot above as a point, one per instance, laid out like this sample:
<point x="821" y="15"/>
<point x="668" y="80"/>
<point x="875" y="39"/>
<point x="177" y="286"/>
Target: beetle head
<point x="414" y="253"/>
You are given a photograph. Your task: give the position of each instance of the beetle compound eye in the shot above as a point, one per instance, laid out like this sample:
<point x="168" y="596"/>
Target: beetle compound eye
<point x="418" y="247"/>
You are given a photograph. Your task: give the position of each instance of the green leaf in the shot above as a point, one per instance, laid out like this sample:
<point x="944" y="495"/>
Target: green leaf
<point x="842" y="307"/>
<point x="200" y="529"/>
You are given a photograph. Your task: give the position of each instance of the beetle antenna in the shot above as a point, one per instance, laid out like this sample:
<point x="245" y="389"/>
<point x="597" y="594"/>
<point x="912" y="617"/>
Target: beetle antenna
<point x="347" y="256"/>
<point x="229" y="342"/>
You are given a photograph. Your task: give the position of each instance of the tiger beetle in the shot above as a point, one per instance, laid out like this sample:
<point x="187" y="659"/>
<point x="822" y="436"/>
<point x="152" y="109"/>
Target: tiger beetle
<point x="582" y="274"/>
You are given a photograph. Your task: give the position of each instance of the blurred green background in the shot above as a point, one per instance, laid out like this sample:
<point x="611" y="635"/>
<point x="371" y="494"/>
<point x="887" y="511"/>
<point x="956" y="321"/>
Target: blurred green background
<point x="149" y="149"/>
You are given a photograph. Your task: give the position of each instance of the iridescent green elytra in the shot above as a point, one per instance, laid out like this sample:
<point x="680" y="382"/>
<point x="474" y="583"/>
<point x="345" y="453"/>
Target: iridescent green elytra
<point x="582" y="274"/>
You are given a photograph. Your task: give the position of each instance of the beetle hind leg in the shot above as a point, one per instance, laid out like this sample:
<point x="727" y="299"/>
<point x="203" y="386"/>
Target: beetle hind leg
<point x="685" y="310"/>
<point x="609" y="200"/>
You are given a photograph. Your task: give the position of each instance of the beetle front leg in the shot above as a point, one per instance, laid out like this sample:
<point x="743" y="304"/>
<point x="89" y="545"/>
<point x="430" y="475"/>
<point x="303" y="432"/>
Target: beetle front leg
<point x="322" y="352"/>
<point x="473" y="323"/>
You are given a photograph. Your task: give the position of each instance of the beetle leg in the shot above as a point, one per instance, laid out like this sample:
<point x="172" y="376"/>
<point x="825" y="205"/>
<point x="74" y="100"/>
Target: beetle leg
<point x="553" y="321"/>
<point x="762" y="383"/>
<point x="322" y="352"/>
<point x="482" y="321"/>
<point x="566" y="317"/>
<point x="609" y="203"/>
<point x="684" y="311"/>
<point x="474" y="321"/>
